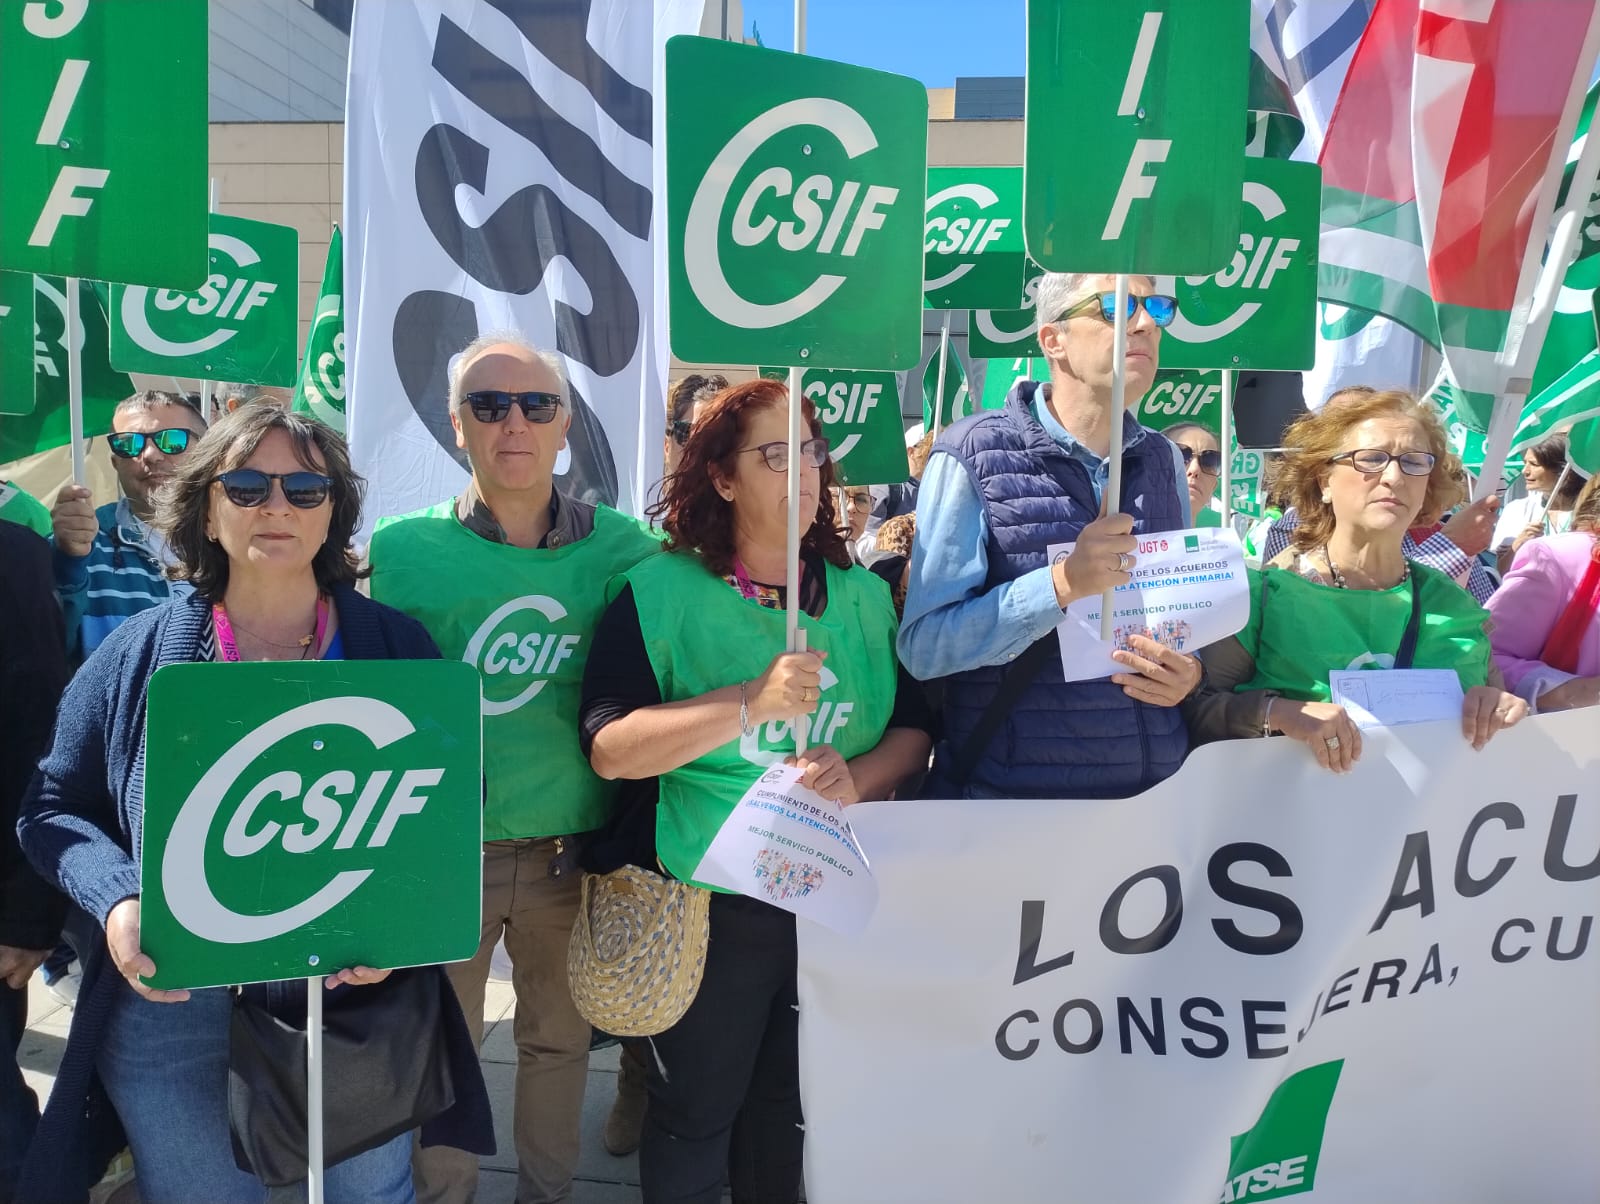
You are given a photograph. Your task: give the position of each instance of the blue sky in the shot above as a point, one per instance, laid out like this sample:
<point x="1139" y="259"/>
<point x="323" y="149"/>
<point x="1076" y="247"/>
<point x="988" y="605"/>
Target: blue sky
<point x="930" y="40"/>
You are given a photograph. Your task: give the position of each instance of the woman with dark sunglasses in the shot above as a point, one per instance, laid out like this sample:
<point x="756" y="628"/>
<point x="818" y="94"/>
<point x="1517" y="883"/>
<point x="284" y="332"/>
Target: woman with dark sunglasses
<point x="689" y="697"/>
<point x="1344" y="596"/>
<point x="259" y="516"/>
<point x="1202" y="463"/>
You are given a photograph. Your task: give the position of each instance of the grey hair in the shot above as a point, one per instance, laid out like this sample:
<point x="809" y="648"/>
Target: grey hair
<point x="245" y="392"/>
<point x="510" y="338"/>
<point x="1060" y="291"/>
<point x="151" y="399"/>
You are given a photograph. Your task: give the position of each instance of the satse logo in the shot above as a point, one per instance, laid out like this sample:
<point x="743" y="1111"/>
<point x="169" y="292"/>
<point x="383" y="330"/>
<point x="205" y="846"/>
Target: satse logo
<point x="1259" y="258"/>
<point x="821" y="211"/>
<point x="188" y="893"/>
<point x="956" y="233"/>
<point x="1278" y="1156"/>
<point x="518" y="654"/>
<point x="229" y="297"/>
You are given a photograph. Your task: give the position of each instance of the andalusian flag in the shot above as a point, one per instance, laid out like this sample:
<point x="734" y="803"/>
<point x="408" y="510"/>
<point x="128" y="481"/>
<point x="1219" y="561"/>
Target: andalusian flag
<point x="1441" y="168"/>
<point x="320" y="389"/>
<point x="956" y="403"/>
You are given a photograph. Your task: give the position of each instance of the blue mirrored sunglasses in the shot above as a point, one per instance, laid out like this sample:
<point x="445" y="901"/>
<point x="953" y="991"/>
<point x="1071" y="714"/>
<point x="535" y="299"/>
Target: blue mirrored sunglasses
<point x="1161" y="307"/>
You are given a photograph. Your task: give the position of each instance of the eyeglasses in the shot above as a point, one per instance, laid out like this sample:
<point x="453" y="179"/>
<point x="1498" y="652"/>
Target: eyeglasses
<point x="129" y="445"/>
<point x="1210" y="461"/>
<point x="492" y="405"/>
<point x="1161" y="307"/>
<point x="1372" y="460"/>
<point x="250" y="487"/>
<point x="680" y="429"/>
<point x="812" y="451"/>
<point x="863" y="499"/>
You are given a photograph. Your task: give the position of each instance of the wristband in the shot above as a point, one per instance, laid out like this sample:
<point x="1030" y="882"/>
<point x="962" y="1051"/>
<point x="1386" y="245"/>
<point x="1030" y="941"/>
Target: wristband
<point x="1266" y="715"/>
<point x="744" y="710"/>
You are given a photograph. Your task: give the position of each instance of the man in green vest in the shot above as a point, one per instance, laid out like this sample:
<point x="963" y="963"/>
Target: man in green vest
<point x="511" y="577"/>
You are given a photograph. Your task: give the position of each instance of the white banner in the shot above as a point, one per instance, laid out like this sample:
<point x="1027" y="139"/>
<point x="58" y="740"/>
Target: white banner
<point x="504" y="168"/>
<point x="1255" y="981"/>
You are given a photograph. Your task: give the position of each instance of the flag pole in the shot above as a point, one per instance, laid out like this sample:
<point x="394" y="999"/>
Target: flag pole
<point x="796" y="637"/>
<point x="944" y="354"/>
<point x="1119" y="391"/>
<point x="314" y="1172"/>
<point x="1227" y="451"/>
<point x="1561" y="480"/>
<point x="75" y="383"/>
<point x="206" y="386"/>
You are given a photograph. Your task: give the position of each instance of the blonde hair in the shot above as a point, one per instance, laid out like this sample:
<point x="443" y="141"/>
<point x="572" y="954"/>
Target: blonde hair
<point x="1315" y="439"/>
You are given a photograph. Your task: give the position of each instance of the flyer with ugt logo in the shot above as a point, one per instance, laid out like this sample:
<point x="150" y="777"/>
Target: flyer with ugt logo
<point x="1188" y="589"/>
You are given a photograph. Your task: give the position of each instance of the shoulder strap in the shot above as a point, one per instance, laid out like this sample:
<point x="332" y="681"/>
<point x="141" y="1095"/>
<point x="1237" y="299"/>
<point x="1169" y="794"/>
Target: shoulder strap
<point x="1566" y="637"/>
<point x="1408" y="641"/>
<point x="1018" y="677"/>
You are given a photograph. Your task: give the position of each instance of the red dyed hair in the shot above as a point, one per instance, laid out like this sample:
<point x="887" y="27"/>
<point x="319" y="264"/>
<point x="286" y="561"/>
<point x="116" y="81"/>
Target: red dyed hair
<point x="697" y="518"/>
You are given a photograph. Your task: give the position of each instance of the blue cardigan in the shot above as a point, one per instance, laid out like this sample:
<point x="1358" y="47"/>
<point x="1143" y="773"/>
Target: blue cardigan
<point x="80" y="825"/>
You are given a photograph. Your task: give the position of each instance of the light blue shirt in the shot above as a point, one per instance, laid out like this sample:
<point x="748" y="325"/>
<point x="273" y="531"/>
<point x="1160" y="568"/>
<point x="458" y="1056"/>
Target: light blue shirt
<point x="952" y="623"/>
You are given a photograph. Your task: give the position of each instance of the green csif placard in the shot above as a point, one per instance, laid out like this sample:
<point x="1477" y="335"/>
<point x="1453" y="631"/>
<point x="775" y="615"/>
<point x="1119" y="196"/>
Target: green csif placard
<point x="972" y="237"/>
<point x="1260" y="311"/>
<point x="242" y="324"/>
<point x="16" y="343"/>
<point x="104" y="140"/>
<point x="794" y="209"/>
<point x="300" y="818"/>
<point x="860" y="416"/>
<point x="1135" y="134"/>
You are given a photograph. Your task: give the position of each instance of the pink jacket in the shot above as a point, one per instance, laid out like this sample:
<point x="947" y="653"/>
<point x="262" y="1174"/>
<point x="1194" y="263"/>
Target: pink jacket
<point x="1528" y="604"/>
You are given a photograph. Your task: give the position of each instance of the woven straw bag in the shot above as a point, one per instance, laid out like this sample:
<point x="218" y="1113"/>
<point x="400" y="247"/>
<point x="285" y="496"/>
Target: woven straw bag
<point x="638" y="950"/>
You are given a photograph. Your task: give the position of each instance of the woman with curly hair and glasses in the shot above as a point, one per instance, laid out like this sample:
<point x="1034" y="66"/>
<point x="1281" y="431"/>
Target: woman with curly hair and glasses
<point x="690" y="695"/>
<point x="1343" y="596"/>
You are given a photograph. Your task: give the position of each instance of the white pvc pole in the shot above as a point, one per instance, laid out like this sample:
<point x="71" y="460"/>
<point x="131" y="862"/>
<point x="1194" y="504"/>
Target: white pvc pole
<point x="796" y="638"/>
<point x="1551" y="496"/>
<point x="314" y="1175"/>
<point x="944" y="358"/>
<point x="205" y="385"/>
<point x="1227" y="450"/>
<point x="1119" y="391"/>
<point x="75" y="382"/>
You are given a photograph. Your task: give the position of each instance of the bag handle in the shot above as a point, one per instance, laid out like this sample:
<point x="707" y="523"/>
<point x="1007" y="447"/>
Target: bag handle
<point x="1408" y="641"/>
<point x="1018" y="677"/>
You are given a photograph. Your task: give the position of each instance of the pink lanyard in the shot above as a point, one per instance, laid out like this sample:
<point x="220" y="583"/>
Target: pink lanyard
<point x="747" y="588"/>
<point x="228" y="647"/>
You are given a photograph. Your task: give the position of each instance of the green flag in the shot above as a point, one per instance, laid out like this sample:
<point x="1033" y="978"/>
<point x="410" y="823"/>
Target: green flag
<point x="1002" y="376"/>
<point x="1570" y="398"/>
<point x="956" y="403"/>
<point x="48" y="425"/>
<point x="320" y="389"/>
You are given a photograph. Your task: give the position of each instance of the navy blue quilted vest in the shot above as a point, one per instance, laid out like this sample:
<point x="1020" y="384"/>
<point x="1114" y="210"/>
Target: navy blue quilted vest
<point x="1082" y="739"/>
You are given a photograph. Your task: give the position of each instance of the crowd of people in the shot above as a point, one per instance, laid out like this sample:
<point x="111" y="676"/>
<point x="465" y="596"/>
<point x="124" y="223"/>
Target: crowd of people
<point x="929" y="609"/>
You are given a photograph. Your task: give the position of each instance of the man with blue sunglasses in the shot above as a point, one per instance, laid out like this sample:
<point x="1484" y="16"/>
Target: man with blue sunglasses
<point x="984" y="597"/>
<point x="109" y="563"/>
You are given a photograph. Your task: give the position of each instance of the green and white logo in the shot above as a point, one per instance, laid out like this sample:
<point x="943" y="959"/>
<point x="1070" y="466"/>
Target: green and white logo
<point x="320" y="387"/>
<point x="333" y="819"/>
<point x="860" y="416"/>
<point x="794" y="207"/>
<point x="1008" y="333"/>
<point x="972" y="237"/>
<point x="103" y="137"/>
<point x="771" y="742"/>
<point x="241" y="324"/>
<point x="1134" y="133"/>
<point x="1278" y="1156"/>
<point x="518" y="649"/>
<point x="1260" y="311"/>
<point x="1180" y="396"/>
<point x="16" y="343"/>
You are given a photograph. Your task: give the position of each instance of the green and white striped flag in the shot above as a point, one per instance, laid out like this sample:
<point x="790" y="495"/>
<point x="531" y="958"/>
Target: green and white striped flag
<point x="956" y="403"/>
<point x="320" y="389"/>
<point x="1571" y="398"/>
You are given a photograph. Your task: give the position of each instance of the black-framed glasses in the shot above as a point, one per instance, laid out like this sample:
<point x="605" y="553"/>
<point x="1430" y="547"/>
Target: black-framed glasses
<point x="250" y="487"/>
<point x="812" y="451"/>
<point x="1210" y="461"/>
<point x="492" y="405"/>
<point x="680" y="429"/>
<point x="858" y="497"/>
<point x="1161" y="307"/>
<point x="1373" y="460"/>
<point x="130" y="445"/>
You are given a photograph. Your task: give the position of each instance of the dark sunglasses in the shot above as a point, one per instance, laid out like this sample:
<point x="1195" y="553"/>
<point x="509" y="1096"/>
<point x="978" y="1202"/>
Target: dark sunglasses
<point x="680" y="430"/>
<point x="129" y="445"/>
<point x="492" y="405"/>
<point x="250" y="487"/>
<point x="1210" y="461"/>
<point x="1161" y="308"/>
<point x="1375" y="460"/>
<point x="812" y="451"/>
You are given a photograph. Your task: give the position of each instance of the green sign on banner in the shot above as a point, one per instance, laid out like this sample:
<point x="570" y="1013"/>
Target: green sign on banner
<point x="16" y="343"/>
<point x="242" y="324"/>
<point x="335" y="819"/>
<point x="860" y="415"/>
<point x="1260" y="311"/>
<point x="1134" y="134"/>
<point x="104" y="137"/>
<point x="794" y="209"/>
<point x="1247" y="478"/>
<point x="320" y="389"/>
<point x="49" y="425"/>
<point x="1180" y="396"/>
<point x="1002" y="334"/>
<point x="972" y="237"/>
<point x="1001" y="376"/>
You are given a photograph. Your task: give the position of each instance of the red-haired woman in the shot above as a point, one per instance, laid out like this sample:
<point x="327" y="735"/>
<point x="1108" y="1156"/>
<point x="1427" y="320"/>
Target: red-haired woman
<point x="689" y="694"/>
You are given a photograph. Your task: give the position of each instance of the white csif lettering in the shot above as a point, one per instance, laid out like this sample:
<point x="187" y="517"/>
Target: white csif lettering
<point x="499" y="649"/>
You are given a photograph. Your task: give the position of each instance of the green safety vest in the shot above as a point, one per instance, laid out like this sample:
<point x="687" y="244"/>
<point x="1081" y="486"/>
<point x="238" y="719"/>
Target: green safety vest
<point x="1299" y="630"/>
<point x="524" y="617"/>
<point x="702" y="635"/>
<point x="19" y="506"/>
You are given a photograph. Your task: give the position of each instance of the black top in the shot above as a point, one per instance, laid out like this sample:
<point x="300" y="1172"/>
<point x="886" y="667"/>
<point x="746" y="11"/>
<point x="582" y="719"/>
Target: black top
<point x="619" y="680"/>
